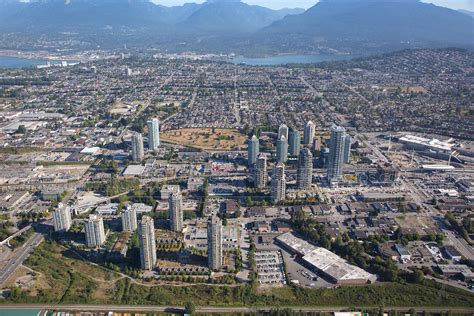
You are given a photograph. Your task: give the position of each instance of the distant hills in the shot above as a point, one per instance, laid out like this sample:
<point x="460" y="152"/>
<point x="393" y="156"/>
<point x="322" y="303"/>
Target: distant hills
<point x="360" y="25"/>
<point x="470" y="13"/>
<point x="331" y="26"/>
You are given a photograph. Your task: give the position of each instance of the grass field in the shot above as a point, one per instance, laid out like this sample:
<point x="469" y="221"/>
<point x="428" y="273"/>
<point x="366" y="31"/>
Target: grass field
<point x="62" y="277"/>
<point x="204" y="138"/>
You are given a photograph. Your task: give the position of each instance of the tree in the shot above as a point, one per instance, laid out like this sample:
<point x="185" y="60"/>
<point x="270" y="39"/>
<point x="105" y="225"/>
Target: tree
<point x="418" y="276"/>
<point x="190" y="308"/>
<point x="21" y="129"/>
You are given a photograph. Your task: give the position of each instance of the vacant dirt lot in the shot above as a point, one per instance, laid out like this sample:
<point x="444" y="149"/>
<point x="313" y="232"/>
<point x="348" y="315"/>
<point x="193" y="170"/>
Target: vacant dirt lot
<point x="206" y="138"/>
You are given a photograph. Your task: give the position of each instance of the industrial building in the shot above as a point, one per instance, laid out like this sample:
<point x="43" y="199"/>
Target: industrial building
<point x="430" y="147"/>
<point x="325" y="262"/>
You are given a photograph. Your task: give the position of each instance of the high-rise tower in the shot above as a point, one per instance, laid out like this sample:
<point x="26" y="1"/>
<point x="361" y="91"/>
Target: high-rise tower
<point x="153" y="134"/>
<point x="336" y="153"/>
<point x="309" y="131"/>
<point x="62" y="218"/>
<point x="294" y="142"/>
<point x="175" y="204"/>
<point x="129" y="219"/>
<point x="137" y="147"/>
<point x="278" y="183"/>
<point x="253" y="151"/>
<point x="282" y="149"/>
<point x="95" y="233"/>
<point x="214" y="243"/>
<point x="146" y="235"/>
<point x="305" y="169"/>
<point x="283" y="131"/>
<point x="260" y="172"/>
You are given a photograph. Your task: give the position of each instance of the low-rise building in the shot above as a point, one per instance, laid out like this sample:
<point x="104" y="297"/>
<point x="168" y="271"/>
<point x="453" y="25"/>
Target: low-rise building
<point x="452" y="253"/>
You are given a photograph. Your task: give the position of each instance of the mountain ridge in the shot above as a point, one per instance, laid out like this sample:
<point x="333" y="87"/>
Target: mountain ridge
<point x="224" y="26"/>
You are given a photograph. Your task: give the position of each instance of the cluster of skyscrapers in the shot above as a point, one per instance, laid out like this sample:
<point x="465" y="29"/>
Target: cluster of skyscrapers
<point x="289" y="144"/>
<point x="138" y="152"/>
<point x="95" y="232"/>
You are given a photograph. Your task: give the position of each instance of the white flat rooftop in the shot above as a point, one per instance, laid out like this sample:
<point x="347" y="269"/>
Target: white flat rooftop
<point x="134" y="170"/>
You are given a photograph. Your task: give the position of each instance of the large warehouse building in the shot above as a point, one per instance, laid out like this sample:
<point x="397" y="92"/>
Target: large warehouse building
<point x="326" y="262"/>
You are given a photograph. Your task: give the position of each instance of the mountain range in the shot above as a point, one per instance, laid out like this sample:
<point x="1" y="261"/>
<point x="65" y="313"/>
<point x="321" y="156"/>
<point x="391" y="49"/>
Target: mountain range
<point x="331" y="26"/>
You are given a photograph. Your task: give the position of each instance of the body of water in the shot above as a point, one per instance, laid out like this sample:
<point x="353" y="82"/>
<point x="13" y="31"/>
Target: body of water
<point x="288" y="59"/>
<point x="19" y="312"/>
<point x="13" y="62"/>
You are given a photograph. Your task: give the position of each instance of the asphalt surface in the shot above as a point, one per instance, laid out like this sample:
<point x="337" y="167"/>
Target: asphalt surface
<point x="21" y="254"/>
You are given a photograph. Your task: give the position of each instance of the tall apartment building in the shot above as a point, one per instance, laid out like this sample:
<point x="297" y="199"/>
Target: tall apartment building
<point x="153" y="134"/>
<point x="175" y="209"/>
<point x="253" y="151"/>
<point x="336" y="153"/>
<point x="95" y="232"/>
<point x="278" y="183"/>
<point x="305" y="169"/>
<point x="283" y="131"/>
<point x="214" y="242"/>
<point x="282" y="150"/>
<point x="129" y="219"/>
<point x="62" y="218"/>
<point x="294" y="143"/>
<point x="347" y="148"/>
<point x="137" y="147"/>
<point x="146" y="235"/>
<point x="309" y="131"/>
<point x="260" y="172"/>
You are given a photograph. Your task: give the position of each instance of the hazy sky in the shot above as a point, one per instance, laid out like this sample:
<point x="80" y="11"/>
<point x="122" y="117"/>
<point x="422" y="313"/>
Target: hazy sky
<point x="278" y="4"/>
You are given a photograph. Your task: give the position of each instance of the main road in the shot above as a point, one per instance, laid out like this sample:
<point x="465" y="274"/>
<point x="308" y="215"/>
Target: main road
<point x="19" y="256"/>
<point x="212" y="309"/>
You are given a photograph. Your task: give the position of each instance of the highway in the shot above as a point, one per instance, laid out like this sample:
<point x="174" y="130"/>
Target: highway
<point x="19" y="256"/>
<point x="18" y="233"/>
<point x="211" y="309"/>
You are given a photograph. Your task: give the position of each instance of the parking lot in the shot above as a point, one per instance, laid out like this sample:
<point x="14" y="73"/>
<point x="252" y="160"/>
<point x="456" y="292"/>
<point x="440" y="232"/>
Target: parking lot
<point x="270" y="268"/>
<point x="301" y="275"/>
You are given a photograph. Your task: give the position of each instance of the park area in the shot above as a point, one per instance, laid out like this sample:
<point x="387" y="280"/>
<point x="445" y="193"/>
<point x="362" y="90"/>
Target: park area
<point x="206" y="138"/>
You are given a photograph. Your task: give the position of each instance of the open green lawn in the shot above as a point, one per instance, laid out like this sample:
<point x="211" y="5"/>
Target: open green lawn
<point x="71" y="280"/>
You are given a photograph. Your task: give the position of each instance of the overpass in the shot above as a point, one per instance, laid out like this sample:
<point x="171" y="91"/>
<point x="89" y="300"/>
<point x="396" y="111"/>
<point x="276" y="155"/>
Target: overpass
<point x="18" y="233"/>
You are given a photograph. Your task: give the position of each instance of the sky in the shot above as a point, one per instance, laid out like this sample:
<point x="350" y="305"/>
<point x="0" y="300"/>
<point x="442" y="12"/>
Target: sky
<point x="278" y="4"/>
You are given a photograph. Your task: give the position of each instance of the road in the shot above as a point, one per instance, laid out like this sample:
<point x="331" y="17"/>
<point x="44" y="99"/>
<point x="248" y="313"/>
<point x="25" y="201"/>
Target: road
<point x="460" y="244"/>
<point x="210" y="309"/>
<point x="19" y="256"/>
<point x="18" y="233"/>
